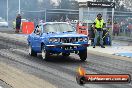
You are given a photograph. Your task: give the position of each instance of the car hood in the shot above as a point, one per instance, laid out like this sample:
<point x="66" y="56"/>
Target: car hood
<point x="67" y="34"/>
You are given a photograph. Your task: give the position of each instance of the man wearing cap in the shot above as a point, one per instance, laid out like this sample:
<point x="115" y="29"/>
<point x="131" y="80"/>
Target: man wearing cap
<point x="98" y="30"/>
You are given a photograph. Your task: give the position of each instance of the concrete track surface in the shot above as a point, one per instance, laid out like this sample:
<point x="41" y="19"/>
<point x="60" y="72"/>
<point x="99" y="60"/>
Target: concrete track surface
<point x="19" y="70"/>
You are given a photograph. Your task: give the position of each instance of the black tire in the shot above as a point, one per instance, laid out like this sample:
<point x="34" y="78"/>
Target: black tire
<point x="80" y="80"/>
<point x="45" y="53"/>
<point x="83" y="55"/>
<point x="31" y="52"/>
<point x="110" y="41"/>
<point x="65" y="54"/>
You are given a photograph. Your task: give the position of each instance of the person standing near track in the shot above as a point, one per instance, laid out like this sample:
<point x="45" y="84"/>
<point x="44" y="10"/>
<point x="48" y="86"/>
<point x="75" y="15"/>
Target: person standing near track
<point x="98" y="30"/>
<point x="18" y="23"/>
<point x="116" y="29"/>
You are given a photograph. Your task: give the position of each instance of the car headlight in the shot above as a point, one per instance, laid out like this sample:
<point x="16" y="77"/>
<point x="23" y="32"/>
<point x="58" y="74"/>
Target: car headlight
<point x="85" y="39"/>
<point x="54" y="40"/>
<point x="50" y="40"/>
<point x="81" y="39"/>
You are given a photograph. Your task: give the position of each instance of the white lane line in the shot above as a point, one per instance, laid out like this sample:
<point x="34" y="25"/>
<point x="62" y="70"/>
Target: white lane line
<point x="123" y="55"/>
<point x="1" y="87"/>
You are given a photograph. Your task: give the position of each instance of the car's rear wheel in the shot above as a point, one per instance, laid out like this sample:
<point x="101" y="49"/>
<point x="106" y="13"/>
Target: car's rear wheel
<point x="65" y="54"/>
<point x="45" y="53"/>
<point x="31" y="52"/>
<point x="83" y="55"/>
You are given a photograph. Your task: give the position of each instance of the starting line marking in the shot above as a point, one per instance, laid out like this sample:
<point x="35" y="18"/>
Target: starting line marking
<point x="123" y="55"/>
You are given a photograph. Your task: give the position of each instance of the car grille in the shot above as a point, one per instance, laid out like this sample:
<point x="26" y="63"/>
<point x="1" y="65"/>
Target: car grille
<point x="69" y="40"/>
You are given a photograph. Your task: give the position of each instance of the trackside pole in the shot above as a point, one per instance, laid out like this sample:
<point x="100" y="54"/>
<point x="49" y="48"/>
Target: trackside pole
<point x="45" y="14"/>
<point x="7" y="11"/>
<point x="87" y="22"/>
<point x="19" y="12"/>
<point x="113" y="10"/>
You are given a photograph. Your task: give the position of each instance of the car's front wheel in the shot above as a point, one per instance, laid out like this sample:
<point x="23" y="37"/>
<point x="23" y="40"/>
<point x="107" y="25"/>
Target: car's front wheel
<point x="83" y="55"/>
<point x="31" y="52"/>
<point x="45" y="53"/>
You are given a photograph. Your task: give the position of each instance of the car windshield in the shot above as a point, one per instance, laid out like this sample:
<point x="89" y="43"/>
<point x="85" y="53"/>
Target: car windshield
<point x="59" y="27"/>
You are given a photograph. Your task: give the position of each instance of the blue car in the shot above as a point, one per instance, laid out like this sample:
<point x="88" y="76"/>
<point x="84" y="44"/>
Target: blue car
<point x="57" y="38"/>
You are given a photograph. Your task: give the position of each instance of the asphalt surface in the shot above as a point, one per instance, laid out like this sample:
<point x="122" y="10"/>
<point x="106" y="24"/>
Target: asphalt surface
<point x="61" y="71"/>
<point x="4" y="84"/>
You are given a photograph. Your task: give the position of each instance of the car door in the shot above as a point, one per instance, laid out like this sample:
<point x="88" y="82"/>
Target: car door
<point x="36" y="42"/>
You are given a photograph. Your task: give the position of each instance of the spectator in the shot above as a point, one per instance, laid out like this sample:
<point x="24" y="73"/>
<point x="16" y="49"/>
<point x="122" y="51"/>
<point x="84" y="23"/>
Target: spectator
<point x="14" y="24"/>
<point x="116" y="29"/>
<point x="18" y="23"/>
<point x="129" y="32"/>
<point x="109" y="24"/>
<point x="62" y="19"/>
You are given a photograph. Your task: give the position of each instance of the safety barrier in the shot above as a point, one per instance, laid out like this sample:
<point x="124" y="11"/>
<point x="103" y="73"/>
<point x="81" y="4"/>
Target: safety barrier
<point x="82" y="30"/>
<point x="27" y="27"/>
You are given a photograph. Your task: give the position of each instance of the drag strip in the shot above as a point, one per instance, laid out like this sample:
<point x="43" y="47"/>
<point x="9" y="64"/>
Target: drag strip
<point x="60" y="71"/>
<point x="3" y="84"/>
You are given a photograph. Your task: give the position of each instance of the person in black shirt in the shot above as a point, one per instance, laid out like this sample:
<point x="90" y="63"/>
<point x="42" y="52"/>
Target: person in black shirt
<point x="18" y="23"/>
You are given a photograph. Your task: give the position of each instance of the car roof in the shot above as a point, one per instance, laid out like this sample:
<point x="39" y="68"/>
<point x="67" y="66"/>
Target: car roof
<point x="54" y="23"/>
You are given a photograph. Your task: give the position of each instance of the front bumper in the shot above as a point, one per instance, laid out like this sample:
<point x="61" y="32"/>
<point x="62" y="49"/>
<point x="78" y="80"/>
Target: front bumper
<point x="68" y="44"/>
<point x="66" y="47"/>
